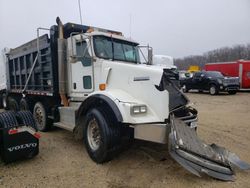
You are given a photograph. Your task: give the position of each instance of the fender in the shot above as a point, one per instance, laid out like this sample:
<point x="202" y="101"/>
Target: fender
<point x="120" y="103"/>
<point x="97" y="100"/>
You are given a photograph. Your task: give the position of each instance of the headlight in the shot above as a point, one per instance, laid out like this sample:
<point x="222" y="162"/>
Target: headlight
<point x="138" y="109"/>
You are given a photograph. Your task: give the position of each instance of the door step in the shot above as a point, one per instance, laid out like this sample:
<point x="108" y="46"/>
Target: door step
<point x="67" y="118"/>
<point x="63" y="126"/>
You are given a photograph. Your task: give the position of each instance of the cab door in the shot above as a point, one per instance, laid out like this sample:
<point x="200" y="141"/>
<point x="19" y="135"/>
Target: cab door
<point x="196" y="80"/>
<point x="81" y="70"/>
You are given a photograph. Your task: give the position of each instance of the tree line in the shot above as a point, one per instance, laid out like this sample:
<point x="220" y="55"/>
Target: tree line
<point x="224" y="54"/>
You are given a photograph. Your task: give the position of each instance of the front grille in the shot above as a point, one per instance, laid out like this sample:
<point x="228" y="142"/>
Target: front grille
<point x="231" y="81"/>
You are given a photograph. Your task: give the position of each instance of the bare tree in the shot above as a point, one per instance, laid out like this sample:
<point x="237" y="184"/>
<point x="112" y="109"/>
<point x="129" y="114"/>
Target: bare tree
<point x="224" y="54"/>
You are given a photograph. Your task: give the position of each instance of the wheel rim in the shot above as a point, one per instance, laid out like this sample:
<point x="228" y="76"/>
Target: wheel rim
<point x="39" y="117"/>
<point x="212" y="90"/>
<point x="93" y="135"/>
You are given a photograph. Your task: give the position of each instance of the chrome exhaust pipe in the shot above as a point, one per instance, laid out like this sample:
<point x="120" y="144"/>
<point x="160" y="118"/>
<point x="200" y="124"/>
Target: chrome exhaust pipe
<point x="62" y="63"/>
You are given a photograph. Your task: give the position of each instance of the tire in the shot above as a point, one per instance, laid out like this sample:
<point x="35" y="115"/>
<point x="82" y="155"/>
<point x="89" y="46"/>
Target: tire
<point x="26" y="118"/>
<point x="24" y="105"/>
<point x="107" y="142"/>
<point x="12" y="104"/>
<point x="4" y="101"/>
<point x="40" y="116"/>
<point x="213" y="90"/>
<point x="184" y="88"/>
<point x="8" y="120"/>
<point x="232" y="92"/>
<point x="1" y="101"/>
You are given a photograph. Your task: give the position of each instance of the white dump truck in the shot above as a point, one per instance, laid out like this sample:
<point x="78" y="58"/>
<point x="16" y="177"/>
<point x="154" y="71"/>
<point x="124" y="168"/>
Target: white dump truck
<point x="91" y="81"/>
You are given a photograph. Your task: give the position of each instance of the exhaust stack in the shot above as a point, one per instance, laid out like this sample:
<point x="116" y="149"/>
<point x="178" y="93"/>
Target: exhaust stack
<point x="61" y="43"/>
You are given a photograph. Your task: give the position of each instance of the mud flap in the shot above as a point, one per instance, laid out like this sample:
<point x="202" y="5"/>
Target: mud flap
<point x="199" y="158"/>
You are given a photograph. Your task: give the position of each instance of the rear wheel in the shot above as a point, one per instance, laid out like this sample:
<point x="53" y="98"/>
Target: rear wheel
<point x="213" y="90"/>
<point x="102" y="135"/>
<point x="4" y="101"/>
<point x="12" y="104"/>
<point x="1" y="101"/>
<point x="40" y="116"/>
<point x="232" y="92"/>
<point x="24" y="105"/>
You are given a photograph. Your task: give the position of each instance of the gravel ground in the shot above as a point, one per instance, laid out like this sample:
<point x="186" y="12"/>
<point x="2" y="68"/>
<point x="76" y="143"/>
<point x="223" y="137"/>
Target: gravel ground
<point x="64" y="162"/>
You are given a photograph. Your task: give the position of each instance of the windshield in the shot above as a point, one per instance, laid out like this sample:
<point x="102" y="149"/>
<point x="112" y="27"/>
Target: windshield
<point x="115" y="49"/>
<point x="214" y="74"/>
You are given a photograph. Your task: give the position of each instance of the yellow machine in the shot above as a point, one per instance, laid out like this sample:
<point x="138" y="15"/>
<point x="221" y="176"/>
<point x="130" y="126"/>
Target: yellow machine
<point x="193" y="68"/>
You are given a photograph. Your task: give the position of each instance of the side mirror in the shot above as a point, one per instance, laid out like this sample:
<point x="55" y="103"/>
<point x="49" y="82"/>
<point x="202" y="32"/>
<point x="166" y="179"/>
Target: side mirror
<point x="72" y="47"/>
<point x="150" y="55"/>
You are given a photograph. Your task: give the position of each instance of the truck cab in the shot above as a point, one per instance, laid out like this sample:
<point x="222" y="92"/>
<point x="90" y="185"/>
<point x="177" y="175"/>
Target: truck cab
<point x="108" y="65"/>
<point x="107" y="84"/>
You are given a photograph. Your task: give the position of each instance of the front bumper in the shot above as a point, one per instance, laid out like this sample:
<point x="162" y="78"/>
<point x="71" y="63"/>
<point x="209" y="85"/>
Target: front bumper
<point x="158" y="132"/>
<point x="229" y="87"/>
<point x="199" y="158"/>
<point x="188" y="115"/>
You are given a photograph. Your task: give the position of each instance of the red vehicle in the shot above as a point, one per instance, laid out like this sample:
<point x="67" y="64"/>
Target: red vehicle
<point x="240" y="68"/>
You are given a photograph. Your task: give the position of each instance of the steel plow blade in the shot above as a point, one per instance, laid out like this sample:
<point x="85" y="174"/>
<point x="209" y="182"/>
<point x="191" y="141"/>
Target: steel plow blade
<point x="199" y="158"/>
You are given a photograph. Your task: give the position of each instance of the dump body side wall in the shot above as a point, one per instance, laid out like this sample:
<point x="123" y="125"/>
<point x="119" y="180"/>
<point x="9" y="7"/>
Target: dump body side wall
<point x="20" y="61"/>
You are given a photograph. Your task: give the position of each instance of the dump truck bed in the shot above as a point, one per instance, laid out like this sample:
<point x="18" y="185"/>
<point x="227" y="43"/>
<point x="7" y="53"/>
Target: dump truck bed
<point x="44" y="76"/>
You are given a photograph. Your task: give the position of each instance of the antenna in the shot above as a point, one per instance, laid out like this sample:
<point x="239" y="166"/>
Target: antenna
<point x="80" y="11"/>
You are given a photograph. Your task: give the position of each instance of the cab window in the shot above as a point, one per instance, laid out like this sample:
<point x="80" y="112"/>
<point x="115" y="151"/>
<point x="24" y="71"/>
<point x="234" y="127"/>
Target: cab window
<point x="83" y="54"/>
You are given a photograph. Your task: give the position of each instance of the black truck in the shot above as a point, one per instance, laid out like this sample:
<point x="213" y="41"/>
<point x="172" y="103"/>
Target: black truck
<point x="212" y="81"/>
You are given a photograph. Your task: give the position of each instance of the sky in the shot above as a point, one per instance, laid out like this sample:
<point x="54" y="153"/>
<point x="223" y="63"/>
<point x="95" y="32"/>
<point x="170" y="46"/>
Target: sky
<point x="172" y="27"/>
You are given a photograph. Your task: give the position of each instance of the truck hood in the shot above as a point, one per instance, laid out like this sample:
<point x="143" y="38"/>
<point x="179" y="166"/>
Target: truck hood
<point x="154" y="86"/>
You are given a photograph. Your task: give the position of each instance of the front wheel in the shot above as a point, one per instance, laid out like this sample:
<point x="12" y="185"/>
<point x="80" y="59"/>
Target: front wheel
<point x="213" y="90"/>
<point x="101" y="135"/>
